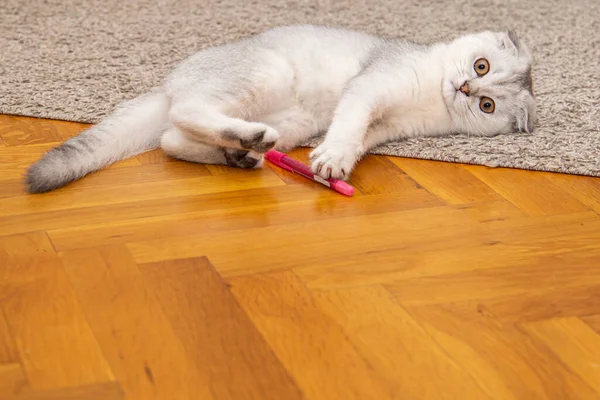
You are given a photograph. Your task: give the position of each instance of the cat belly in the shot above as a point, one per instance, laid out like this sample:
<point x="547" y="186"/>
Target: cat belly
<point x="314" y="96"/>
<point x="307" y="114"/>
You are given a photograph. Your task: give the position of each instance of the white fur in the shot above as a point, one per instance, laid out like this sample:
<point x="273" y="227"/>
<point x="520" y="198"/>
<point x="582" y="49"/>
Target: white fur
<point x="230" y="104"/>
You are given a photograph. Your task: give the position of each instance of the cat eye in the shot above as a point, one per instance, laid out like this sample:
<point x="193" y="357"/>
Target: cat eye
<point x="487" y="105"/>
<point x="482" y="66"/>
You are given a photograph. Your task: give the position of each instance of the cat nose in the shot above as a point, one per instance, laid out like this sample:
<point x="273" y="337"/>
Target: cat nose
<point x="465" y="88"/>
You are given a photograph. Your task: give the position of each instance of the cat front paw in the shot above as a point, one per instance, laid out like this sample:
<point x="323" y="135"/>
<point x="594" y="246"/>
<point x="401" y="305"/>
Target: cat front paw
<point x="330" y="160"/>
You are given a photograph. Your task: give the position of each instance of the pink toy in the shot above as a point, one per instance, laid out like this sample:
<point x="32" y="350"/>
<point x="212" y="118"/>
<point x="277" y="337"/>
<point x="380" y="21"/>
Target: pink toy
<point x="287" y="163"/>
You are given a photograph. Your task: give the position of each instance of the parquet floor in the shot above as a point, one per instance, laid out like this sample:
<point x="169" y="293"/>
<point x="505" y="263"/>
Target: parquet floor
<point x="158" y="279"/>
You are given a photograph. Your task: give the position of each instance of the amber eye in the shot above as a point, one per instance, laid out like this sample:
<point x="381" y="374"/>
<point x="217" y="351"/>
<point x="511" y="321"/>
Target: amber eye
<point x="482" y="66"/>
<point x="487" y="105"/>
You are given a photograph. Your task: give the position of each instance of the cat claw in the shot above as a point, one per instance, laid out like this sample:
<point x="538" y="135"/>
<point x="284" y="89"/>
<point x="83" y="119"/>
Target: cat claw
<point x="332" y="162"/>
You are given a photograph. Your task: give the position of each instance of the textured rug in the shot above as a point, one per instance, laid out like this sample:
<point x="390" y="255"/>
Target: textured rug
<point x="76" y="59"/>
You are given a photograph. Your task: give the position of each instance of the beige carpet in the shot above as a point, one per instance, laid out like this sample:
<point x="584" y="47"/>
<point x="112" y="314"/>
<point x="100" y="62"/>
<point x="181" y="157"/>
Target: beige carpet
<point x="75" y="59"/>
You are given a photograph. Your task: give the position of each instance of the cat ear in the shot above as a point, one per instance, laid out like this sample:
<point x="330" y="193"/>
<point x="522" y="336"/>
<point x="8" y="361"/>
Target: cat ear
<point x="510" y="41"/>
<point x="523" y="122"/>
<point x="514" y="38"/>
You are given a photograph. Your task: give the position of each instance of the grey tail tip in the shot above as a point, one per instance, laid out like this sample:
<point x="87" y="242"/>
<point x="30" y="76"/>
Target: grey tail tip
<point x="34" y="187"/>
<point x="38" y="181"/>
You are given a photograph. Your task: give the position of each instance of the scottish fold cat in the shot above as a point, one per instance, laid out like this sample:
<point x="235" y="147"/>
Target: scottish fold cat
<point x="232" y="103"/>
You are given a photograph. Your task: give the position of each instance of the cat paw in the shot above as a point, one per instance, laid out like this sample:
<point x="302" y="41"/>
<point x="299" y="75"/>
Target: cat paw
<point x="243" y="158"/>
<point x="261" y="141"/>
<point x="333" y="161"/>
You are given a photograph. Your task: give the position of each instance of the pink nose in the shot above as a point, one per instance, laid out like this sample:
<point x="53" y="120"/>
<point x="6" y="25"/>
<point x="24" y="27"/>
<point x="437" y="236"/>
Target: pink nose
<point x="465" y="88"/>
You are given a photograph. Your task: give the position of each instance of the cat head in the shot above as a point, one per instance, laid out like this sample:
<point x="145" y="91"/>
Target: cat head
<point x="487" y="86"/>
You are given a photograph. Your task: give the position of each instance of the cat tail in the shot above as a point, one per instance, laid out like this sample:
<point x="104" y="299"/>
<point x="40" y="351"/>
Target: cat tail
<point x="135" y="127"/>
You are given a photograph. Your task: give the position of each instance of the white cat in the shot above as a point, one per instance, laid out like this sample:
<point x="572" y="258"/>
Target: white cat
<point x="232" y="103"/>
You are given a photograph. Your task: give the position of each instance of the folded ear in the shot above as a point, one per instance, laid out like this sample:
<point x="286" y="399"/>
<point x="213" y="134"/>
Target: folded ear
<point x="508" y="41"/>
<point x="511" y="41"/>
<point x="514" y="38"/>
<point x="524" y="121"/>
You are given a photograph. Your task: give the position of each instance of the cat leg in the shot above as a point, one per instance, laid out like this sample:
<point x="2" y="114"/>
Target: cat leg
<point x="366" y="102"/>
<point x="212" y="127"/>
<point x="362" y="102"/>
<point x="379" y="133"/>
<point x="177" y="145"/>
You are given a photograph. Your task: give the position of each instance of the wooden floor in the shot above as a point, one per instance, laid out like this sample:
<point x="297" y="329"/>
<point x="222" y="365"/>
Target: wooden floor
<point x="158" y="279"/>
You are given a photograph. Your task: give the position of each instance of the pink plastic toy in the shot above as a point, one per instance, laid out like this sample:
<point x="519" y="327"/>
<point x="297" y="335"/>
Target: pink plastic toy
<point x="287" y="163"/>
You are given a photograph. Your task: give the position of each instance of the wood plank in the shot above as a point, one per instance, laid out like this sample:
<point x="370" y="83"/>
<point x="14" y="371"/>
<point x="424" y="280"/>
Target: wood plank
<point x="15" y="160"/>
<point x="530" y="274"/>
<point x="147" y="357"/>
<point x="378" y="175"/>
<point x="276" y="247"/>
<point x="507" y="363"/>
<point x="100" y="391"/>
<point x="8" y="349"/>
<point x="397" y="347"/>
<point x="490" y="211"/>
<point x="248" y="215"/>
<point x="574" y="342"/>
<point x="555" y="302"/>
<point x="420" y="262"/>
<point x="65" y="198"/>
<point x="176" y="209"/>
<point x="12" y="379"/>
<point x="140" y="174"/>
<point x="593" y="321"/>
<point x="12" y="187"/>
<point x="52" y="337"/>
<point x="423" y="230"/>
<point x="449" y="181"/>
<point x="47" y="130"/>
<point x="16" y="131"/>
<point x="217" y="169"/>
<point x="429" y="268"/>
<point x="310" y="344"/>
<point x="516" y="186"/>
<point x="216" y="332"/>
<point x="584" y="188"/>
